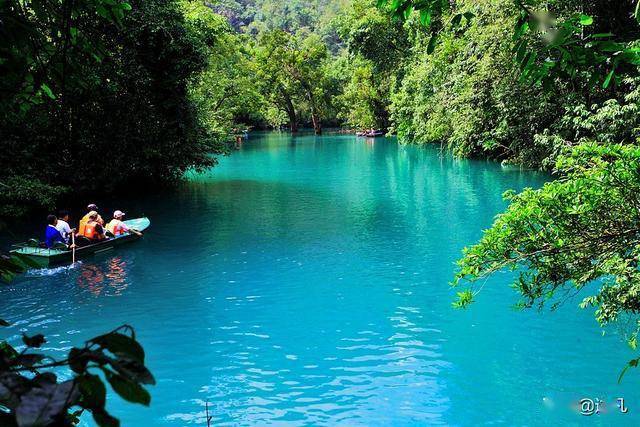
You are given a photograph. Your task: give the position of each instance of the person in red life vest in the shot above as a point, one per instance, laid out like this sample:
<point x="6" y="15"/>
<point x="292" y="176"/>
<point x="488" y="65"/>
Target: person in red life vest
<point x="117" y="227"/>
<point x="93" y="230"/>
<point x="83" y="222"/>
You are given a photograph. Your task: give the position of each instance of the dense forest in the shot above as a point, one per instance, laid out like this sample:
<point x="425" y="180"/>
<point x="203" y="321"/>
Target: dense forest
<point x="85" y="105"/>
<point x="102" y="94"/>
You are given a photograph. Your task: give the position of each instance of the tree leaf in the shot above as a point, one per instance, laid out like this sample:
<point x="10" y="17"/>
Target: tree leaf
<point x="103" y="419"/>
<point x="12" y="386"/>
<point x="425" y="17"/>
<point x="586" y="20"/>
<point x="121" y="345"/>
<point x="128" y="390"/>
<point x="7" y="351"/>
<point x="133" y="371"/>
<point x="47" y="90"/>
<point x="94" y="393"/>
<point x="455" y="21"/>
<point x="607" y="81"/>
<point x="78" y="360"/>
<point x="30" y="360"/>
<point x="35" y="341"/>
<point x="43" y="405"/>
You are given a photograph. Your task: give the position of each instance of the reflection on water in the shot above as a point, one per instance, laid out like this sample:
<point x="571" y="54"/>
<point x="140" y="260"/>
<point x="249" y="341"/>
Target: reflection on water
<point x="100" y="280"/>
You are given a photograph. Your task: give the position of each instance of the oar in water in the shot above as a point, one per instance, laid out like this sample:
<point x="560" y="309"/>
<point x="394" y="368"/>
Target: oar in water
<point x="73" y="247"/>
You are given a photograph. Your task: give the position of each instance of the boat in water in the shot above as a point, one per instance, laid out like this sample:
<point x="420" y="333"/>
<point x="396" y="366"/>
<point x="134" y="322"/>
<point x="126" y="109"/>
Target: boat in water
<point x="45" y="257"/>
<point x="370" y="133"/>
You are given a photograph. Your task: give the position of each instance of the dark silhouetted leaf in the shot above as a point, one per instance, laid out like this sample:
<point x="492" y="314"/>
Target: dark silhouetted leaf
<point x="103" y="419"/>
<point x="35" y="341"/>
<point x="78" y="359"/>
<point x="93" y="391"/>
<point x="128" y="390"/>
<point x="42" y="405"/>
<point x="121" y="345"/>
<point x="30" y="360"/>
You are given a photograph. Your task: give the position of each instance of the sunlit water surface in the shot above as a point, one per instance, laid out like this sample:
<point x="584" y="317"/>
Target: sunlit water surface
<point x="305" y="281"/>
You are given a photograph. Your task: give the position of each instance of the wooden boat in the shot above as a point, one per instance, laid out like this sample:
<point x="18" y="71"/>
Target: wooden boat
<point x="43" y="257"/>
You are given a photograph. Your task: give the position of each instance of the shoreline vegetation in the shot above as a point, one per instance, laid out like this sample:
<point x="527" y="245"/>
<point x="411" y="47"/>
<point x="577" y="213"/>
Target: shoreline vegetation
<point x="91" y="110"/>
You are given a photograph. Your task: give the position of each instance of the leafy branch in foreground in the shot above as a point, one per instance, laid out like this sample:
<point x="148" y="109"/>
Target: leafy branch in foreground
<point x="583" y="227"/>
<point x="31" y="396"/>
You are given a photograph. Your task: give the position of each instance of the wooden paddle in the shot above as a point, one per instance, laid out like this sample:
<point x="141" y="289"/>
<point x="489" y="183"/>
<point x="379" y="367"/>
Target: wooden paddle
<point x="73" y="247"/>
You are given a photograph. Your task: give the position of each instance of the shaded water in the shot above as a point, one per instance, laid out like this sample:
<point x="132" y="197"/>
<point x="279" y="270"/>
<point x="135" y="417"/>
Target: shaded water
<point x="304" y="281"/>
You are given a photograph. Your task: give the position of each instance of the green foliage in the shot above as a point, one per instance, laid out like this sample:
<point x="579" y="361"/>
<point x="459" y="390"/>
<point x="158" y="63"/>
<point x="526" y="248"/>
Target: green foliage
<point x="580" y="228"/>
<point x="375" y="44"/>
<point x="119" y="113"/>
<point x="225" y="93"/>
<point x="33" y="396"/>
<point x="612" y="120"/>
<point x="568" y="44"/>
<point x="466" y="94"/>
<point x="11" y="266"/>
<point x="19" y="193"/>
<point x="257" y="16"/>
<point x="470" y="92"/>
<point x="291" y="72"/>
<point x="41" y="41"/>
<point x="556" y="40"/>
<point x="374" y="36"/>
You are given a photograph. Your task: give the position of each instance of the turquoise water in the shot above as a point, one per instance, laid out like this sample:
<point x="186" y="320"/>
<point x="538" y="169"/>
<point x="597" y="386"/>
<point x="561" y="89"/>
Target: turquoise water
<point x="304" y="281"/>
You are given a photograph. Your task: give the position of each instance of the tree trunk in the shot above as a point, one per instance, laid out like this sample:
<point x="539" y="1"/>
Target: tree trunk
<point x="293" y="124"/>
<point x="315" y="117"/>
<point x="291" y="111"/>
<point x="317" y="127"/>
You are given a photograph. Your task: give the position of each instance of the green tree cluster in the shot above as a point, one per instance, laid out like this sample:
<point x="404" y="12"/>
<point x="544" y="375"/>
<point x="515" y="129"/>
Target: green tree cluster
<point x="100" y="99"/>
<point x="291" y="75"/>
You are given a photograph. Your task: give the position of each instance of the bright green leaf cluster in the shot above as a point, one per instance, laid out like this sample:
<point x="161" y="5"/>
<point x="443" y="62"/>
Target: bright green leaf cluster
<point x="582" y="227"/>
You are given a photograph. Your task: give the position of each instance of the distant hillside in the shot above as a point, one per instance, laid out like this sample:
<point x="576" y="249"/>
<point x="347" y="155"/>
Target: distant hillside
<point x="254" y="16"/>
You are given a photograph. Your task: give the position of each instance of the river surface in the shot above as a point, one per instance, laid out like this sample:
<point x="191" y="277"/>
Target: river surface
<point x="304" y="281"/>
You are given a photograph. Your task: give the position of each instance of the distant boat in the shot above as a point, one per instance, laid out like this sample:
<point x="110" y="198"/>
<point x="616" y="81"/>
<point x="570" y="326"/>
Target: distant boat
<point x="370" y="133"/>
<point x="44" y="257"/>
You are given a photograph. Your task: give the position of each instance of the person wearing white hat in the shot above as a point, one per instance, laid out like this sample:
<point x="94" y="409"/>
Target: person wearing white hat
<point x="117" y="227"/>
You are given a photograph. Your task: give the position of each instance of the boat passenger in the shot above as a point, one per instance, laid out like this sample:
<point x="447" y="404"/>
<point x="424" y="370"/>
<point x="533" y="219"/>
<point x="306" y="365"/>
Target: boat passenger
<point x="63" y="226"/>
<point x="93" y="230"/>
<point x="116" y="226"/>
<point x="51" y="234"/>
<point x="83" y="222"/>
